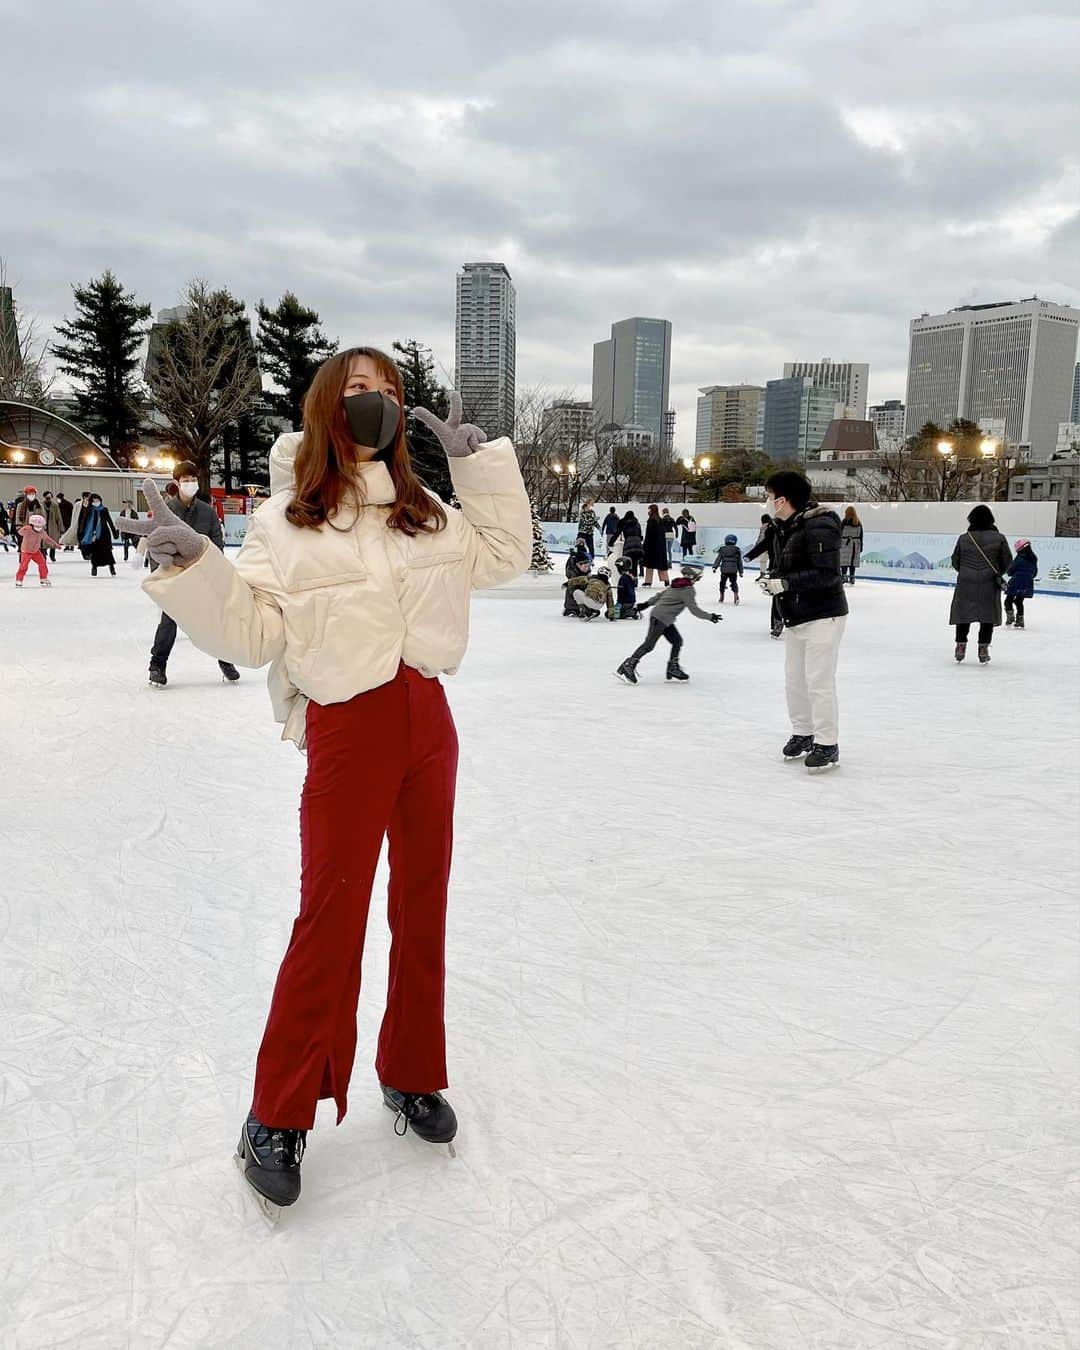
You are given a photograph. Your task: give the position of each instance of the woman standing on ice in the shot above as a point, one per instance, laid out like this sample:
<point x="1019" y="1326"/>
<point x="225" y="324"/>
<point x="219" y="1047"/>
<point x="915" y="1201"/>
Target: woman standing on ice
<point x="981" y="558"/>
<point x="851" y="545"/>
<point x="96" y="535"/>
<point x="656" y="547"/>
<point x="354" y="581"/>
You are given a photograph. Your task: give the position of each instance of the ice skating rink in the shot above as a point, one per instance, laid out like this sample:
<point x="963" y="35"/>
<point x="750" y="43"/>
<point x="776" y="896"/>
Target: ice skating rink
<point x="742" y="1057"/>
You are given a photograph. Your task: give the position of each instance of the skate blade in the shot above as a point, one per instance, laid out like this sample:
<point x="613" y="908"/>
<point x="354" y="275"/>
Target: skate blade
<point x="824" y="768"/>
<point x="268" y="1211"/>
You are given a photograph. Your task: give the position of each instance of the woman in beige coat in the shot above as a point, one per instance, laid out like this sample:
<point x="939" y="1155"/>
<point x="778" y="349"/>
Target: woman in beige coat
<point x="353" y="582"/>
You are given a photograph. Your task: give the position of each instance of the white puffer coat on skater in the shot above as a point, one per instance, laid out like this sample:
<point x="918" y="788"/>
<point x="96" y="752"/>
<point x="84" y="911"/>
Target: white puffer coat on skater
<point x="336" y="608"/>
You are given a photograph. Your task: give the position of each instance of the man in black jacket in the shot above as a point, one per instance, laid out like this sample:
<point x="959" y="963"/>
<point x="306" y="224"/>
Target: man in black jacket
<point x="202" y="518"/>
<point x="808" y="585"/>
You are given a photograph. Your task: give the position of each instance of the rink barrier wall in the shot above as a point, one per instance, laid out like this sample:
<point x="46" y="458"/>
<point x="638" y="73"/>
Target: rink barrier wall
<point x="924" y="559"/>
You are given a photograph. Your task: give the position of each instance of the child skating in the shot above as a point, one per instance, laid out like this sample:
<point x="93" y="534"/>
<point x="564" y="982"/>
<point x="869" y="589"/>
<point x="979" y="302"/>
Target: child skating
<point x="1021" y="572"/>
<point x="666" y="607"/>
<point x="729" y="560"/>
<point x="626" y="594"/>
<point x="34" y="541"/>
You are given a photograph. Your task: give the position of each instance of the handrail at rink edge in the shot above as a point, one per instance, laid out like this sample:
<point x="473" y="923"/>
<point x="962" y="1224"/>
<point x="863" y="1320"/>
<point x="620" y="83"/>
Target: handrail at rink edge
<point x="920" y="559"/>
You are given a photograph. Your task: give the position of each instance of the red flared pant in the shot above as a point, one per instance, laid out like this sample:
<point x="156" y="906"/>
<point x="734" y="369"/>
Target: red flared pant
<point x="384" y="763"/>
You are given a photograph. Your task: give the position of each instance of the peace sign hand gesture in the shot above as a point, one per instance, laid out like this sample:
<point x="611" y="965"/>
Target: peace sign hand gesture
<point x="169" y="542"/>
<point x="456" y="437"/>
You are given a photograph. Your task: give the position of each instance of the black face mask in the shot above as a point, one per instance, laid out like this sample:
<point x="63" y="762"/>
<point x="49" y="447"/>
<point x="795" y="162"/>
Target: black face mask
<point x="373" y="419"/>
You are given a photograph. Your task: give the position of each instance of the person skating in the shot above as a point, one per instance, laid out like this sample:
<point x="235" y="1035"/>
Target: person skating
<point x="579" y="553"/>
<point x="851" y="545"/>
<point x="96" y="536"/>
<point x="189" y="507"/>
<point x="576" y="572"/>
<point x="610" y="528"/>
<point x="5" y="528"/>
<point x="767" y="547"/>
<point x="1021" y="572"/>
<point x="591" y="595"/>
<point x="34" y="540"/>
<point x="671" y="533"/>
<point x="981" y="557"/>
<point x="807" y="582"/>
<point x="666" y="607"/>
<point x="655" y="549"/>
<point x="689" y="534"/>
<point x="127" y="512"/>
<point x="354" y="581"/>
<point x="626" y="592"/>
<point x="729" y="560"/>
<point x="588" y="525"/>
<point x="66" y="510"/>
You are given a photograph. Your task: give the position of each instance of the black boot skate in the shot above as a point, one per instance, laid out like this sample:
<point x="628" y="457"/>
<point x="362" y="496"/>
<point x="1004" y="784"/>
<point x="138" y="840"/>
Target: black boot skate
<point x="961" y="651"/>
<point x="798" y="746"/>
<point x="270" y="1162"/>
<point x="675" y="671"/>
<point x="984" y="653"/>
<point x="158" y="677"/>
<point x="229" y="673"/>
<point x="428" y="1113"/>
<point x="1019" y="621"/>
<point x="1009" y="618"/>
<point x="627" y="672"/>
<point x="823" y="757"/>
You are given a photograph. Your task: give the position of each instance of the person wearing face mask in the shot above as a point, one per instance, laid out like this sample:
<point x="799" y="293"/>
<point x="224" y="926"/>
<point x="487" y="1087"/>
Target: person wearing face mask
<point x="29" y="504"/>
<point x="806" y="581"/>
<point x="96" y="535"/>
<point x="183" y="502"/>
<point x="354" y="582"/>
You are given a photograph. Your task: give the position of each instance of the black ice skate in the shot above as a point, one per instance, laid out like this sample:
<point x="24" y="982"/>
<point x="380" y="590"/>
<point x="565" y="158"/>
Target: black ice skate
<point x="961" y="651"/>
<point x="823" y="757"/>
<point x="429" y="1113"/>
<point x="157" y="676"/>
<point x="675" y="671"/>
<point x="798" y="746"/>
<point x="1018" y="624"/>
<point x="270" y="1162"/>
<point x="984" y="654"/>
<point x="1009" y="620"/>
<point x="229" y="673"/>
<point x="627" y="672"/>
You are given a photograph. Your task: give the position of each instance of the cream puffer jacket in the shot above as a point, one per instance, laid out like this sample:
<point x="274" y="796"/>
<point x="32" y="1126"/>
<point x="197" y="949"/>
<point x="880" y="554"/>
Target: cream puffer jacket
<point x="336" y="609"/>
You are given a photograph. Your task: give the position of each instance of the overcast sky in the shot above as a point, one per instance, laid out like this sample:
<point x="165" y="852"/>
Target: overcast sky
<point x="782" y="179"/>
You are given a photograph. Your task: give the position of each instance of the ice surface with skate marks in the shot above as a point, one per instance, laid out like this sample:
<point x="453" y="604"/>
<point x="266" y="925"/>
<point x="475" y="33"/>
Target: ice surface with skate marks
<point x="742" y="1057"/>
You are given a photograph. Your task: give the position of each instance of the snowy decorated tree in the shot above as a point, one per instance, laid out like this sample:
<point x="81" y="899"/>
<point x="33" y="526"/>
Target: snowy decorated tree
<point x="541" y="558"/>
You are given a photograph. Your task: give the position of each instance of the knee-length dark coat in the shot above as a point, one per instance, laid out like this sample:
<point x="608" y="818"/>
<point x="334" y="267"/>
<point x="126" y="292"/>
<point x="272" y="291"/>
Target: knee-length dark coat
<point x="977" y="597"/>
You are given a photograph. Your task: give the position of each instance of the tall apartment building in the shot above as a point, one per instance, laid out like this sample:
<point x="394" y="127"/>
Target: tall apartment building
<point x="667" y="439"/>
<point x="727" y="416"/>
<point x="849" y="380"/>
<point x="568" y="424"/>
<point x="794" y="416"/>
<point x="1012" y="360"/>
<point x="632" y="375"/>
<point x="888" y="420"/>
<point x="485" y="347"/>
<point x="1075" y="417"/>
<point x="9" y="331"/>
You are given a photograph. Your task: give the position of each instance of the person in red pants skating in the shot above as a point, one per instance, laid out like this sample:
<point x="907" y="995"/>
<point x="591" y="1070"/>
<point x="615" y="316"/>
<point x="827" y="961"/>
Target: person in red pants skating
<point x="33" y="543"/>
<point x="354" y="582"/>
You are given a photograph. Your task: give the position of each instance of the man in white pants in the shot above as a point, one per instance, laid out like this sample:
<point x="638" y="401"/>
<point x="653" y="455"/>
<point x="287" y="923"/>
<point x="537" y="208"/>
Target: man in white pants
<point x="809" y="588"/>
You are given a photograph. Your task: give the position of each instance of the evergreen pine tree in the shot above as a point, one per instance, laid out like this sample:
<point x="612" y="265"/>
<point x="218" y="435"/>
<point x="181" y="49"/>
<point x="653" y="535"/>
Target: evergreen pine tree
<point x="100" y="353"/>
<point x="291" y="346"/>
<point x="422" y="390"/>
<point x="541" y="558"/>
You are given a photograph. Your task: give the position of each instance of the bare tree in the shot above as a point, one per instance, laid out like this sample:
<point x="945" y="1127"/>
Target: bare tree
<point x="205" y="376"/>
<point x="23" y="374"/>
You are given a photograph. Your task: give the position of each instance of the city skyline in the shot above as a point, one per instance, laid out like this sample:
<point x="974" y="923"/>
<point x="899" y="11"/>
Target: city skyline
<point x="799" y="214"/>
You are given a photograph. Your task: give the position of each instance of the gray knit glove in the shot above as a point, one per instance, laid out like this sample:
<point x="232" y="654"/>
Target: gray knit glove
<point x="169" y="542"/>
<point x="456" y="437"/>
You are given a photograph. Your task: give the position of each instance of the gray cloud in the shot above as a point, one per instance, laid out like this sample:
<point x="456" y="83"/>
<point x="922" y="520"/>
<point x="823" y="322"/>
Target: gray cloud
<point x="778" y="178"/>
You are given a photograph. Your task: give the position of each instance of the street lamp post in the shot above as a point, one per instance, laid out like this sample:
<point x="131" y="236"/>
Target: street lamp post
<point x="945" y="450"/>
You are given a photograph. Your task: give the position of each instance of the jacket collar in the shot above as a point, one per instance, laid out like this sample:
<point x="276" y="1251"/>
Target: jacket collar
<point x="378" y="486"/>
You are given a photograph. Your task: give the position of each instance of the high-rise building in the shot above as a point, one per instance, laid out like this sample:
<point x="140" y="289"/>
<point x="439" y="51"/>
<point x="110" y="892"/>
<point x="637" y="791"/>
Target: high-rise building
<point x="485" y="346"/>
<point x="794" y="416"/>
<point x="727" y="416"/>
<point x="849" y="380"/>
<point x="568" y="424"/>
<point x="1076" y="395"/>
<point x="1011" y="360"/>
<point x="632" y="374"/>
<point x="667" y="440"/>
<point x="888" y="420"/>
<point x="9" y="330"/>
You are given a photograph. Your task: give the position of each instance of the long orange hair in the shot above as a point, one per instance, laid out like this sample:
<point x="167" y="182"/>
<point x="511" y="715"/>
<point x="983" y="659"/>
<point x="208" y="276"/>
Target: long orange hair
<point x="326" y="462"/>
<point x="851" y="516"/>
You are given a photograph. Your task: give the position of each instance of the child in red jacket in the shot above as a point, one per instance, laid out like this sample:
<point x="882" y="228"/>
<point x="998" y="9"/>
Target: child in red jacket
<point x="34" y="540"/>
